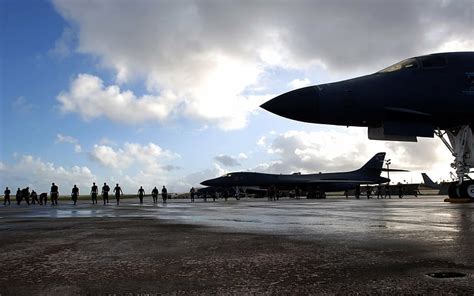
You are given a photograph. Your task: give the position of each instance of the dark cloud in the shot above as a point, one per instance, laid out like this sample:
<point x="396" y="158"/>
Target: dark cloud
<point x="227" y="161"/>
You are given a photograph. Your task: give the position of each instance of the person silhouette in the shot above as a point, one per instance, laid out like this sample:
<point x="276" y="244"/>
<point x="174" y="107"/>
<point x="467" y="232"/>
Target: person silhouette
<point x="7" y="196"/>
<point x="118" y="191"/>
<point x="154" y="194"/>
<point x="74" y="194"/>
<point x="164" y="194"/>
<point x="43" y="197"/>
<point x="94" y="193"/>
<point x="192" y="192"/>
<point x="141" y="193"/>
<point x="18" y="196"/>
<point x="105" y="193"/>
<point x="54" y="193"/>
<point x="34" y="197"/>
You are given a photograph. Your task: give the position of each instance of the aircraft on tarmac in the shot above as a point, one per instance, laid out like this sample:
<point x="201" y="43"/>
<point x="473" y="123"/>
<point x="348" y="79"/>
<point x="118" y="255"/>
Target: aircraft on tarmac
<point x="417" y="97"/>
<point x="442" y="187"/>
<point x="315" y="184"/>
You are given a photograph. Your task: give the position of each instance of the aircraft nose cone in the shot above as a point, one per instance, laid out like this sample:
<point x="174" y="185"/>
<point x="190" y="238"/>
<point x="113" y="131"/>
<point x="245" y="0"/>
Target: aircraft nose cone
<point x="207" y="182"/>
<point x="300" y="104"/>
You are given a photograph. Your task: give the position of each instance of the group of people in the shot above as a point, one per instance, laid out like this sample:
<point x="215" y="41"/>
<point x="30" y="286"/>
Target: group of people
<point x="41" y="199"/>
<point x="382" y="191"/>
<point x="31" y="197"/>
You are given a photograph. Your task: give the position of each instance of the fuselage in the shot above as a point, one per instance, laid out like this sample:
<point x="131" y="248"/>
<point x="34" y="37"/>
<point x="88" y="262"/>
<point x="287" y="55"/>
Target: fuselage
<point x="421" y="94"/>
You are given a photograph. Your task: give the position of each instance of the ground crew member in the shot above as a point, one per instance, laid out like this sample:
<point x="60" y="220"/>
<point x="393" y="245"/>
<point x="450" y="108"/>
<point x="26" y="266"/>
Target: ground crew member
<point x="141" y="193"/>
<point x="164" y="194"/>
<point x="74" y="194"/>
<point x="105" y="193"/>
<point x="192" y="192"/>
<point x="25" y="193"/>
<point x="154" y="194"/>
<point x="118" y="191"/>
<point x="379" y="191"/>
<point x="18" y="196"/>
<point x="43" y="197"/>
<point x="387" y="191"/>
<point x="400" y="190"/>
<point x="367" y="191"/>
<point x="54" y="194"/>
<point x="94" y="193"/>
<point x="34" y="197"/>
<point x="6" y="197"/>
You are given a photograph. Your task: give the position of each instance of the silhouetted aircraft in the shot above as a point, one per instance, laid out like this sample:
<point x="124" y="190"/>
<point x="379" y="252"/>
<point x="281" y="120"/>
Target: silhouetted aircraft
<point x="442" y="187"/>
<point x="315" y="184"/>
<point x="418" y="97"/>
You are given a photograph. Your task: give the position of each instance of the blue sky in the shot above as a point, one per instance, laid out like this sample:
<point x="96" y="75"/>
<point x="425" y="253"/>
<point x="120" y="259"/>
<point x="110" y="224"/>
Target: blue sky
<point x="166" y="93"/>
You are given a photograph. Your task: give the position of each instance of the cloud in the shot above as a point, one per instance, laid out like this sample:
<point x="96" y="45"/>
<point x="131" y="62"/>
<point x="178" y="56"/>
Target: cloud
<point x="21" y="104"/>
<point x="341" y="149"/>
<point x="65" y="139"/>
<point x="71" y="140"/>
<point x="297" y="83"/>
<point x="227" y="160"/>
<point x="63" y="47"/>
<point x="37" y="174"/>
<point x="149" y="157"/>
<point x="199" y="59"/>
<point x="89" y="97"/>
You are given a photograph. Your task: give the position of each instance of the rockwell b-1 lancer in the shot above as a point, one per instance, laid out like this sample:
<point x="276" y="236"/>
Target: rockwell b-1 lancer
<point x="417" y="97"/>
<point x="315" y="184"/>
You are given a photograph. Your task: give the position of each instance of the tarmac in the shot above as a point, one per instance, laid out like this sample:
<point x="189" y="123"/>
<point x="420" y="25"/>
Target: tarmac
<point x="251" y="246"/>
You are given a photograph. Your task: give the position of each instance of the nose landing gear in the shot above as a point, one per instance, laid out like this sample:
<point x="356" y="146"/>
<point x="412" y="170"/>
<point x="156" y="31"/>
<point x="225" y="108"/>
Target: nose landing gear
<point x="461" y="145"/>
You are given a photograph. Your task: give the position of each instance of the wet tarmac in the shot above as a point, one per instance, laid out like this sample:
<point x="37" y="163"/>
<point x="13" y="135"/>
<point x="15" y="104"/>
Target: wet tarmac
<point x="411" y="237"/>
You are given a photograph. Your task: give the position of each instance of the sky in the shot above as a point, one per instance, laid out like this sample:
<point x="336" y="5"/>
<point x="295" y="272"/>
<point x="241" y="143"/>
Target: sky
<point x="151" y="93"/>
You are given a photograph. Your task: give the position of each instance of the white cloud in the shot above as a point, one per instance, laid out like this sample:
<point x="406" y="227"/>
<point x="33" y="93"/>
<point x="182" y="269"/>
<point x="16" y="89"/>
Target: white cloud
<point x="343" y="149"/>
<point x="65" y="139"/>
<point x="150" y="157"/>
<point x="298" y="83"/>
<point x="37" y="174"/>
<point x="70" y="140"/>
<point x="199" y="58"/>
<point x="262" y="142"/>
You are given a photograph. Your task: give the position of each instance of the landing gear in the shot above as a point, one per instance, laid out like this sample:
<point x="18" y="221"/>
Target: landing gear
<point x="461" y="145"/>
<point x="316" y="194"/>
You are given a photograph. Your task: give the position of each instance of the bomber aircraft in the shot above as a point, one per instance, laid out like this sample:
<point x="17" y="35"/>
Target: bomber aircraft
<point x="417" y="97"/>
<point x="315" y="184"/>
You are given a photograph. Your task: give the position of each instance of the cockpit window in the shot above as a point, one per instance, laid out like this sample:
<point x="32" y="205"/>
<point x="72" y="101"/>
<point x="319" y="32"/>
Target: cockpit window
<point x="433" y="62"/>
<point x="406" y="64"/>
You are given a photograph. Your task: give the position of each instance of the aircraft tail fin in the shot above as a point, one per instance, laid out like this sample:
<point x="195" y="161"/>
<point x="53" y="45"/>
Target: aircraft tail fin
<point x="374" y="166"/>
<point x="427" y="180"/>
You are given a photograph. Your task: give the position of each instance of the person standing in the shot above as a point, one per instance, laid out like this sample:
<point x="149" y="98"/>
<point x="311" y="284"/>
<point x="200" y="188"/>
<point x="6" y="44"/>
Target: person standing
<point x="379" y="191"/>
<point x="25" y="194"/>
<point x="94" y="193"/>
<point x="368" y="191"/>
<point x="34" y="197"/>
<point x="192" y="192"/>
<point x="74" y="194"/>
<point x="6" y="197"/>
<point x="164" y="194"/>
<point x="18" y="196"/>
<point x="105" y="193"/>
<point x="141" y="194"/>
<point x="387" y="191"/>
<point x="154" y="194"/>
<point x="54" y="193"/>
<point x="118" y="191"/>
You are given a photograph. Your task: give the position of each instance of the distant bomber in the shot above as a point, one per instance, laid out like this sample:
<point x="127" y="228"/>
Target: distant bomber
<point x="315" y="184"/>
<point x="418" y="97"/>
